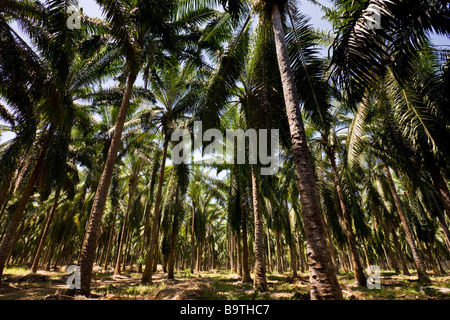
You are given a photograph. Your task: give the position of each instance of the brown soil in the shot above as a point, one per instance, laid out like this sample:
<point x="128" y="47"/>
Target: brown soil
<point x="186" y="290"/>
<point x="51" y="285"/>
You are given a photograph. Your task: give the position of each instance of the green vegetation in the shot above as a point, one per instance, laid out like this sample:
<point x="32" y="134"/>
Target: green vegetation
<point x="89" y="173"/>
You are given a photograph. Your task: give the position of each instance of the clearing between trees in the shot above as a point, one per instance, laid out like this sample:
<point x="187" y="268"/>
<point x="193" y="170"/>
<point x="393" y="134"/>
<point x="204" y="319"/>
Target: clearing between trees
<point x="20" y="284"/>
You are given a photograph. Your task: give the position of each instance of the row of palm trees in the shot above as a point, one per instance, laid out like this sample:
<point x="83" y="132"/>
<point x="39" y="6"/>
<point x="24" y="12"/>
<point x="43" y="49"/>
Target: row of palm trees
<point x="363" y="136"/>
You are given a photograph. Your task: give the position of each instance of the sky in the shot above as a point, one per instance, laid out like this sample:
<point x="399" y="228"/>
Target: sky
<point x="91" y="8"/>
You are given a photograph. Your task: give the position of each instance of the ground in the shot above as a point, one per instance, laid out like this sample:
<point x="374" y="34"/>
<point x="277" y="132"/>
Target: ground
<point x="19" y="284"/>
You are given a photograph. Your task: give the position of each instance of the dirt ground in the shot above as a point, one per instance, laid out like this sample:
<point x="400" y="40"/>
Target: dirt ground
<point x="19" y="284"/>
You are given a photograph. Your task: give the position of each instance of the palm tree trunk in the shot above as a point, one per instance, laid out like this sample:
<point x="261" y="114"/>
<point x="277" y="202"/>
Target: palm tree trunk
<point x="173" y="245"/>
<point x="269" y="251"/>
<point x="148" y="270"/>
<point x="87" y="255"/>
<point x="193" y="239"/>
<point x="360" y="277"/>
<point x="438" y="260"/>
<point x="392" y="255"/>
<point x="291" y="241"/>
<point x="199" y="256"/>
<point x="366" y="255"/>
<point x="239" y="254"/>
<point x="300" y="251"/>
<point x="4" y="190"/>
<point x="213" y="261"/>
<point x="278" y="251"/>
<point x="421" y="271"/>
<point x="146" y="229"/>
<point x="2" y="212"/>
<point x="245" y="266"/>
<point x="40" y="235"/>
<point x="323" y="279"/>
<point x="50" y="256"/>
<point x="232" y="257"/>
<point x="37" y="256"/>
<point x="111" y="237"/>
<point x="120" y="247"/>
<point x="157" y="254"/>
<point x="293" y="259"/>
<point x="260" y="281"/>
<point x="11" y="231"/>
<point x="432" y="260"/>
<point x="132" y="184"/>
<point x="126" y="253"/>
<point x="398" y="248"/>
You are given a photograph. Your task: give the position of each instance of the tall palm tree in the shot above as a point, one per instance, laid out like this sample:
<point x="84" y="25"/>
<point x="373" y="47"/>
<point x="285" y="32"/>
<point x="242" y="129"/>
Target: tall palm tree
<point x="391" y="57"/>
<point x="121" y="26"/>
<point x="132" y="185"/>
<point x="64" y="184"/>
<point x="175" y="90"/>
<point x="362" y="57"/>
<point x="238" y="208"/>
<point x="324" y="284"/>
<point x="421" y="271"/>
<point x="331" y="145"/>
<point x="142" y="31"/>
<point x="384" y="140"/>
<point x="68" y="64"/>
<point x="173" y="211"/>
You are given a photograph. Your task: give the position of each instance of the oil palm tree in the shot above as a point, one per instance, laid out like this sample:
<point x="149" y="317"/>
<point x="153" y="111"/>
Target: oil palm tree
<point x="238" y="209"/>
<point x="396" y="58"/>
<point x="63" y="184"/>
<point x="385" y="138"/>
<point x="142" y="32"/>
<point x="295" y="46"/>
<point x="331" y="145"/>
<point x="175" y="89"/>
<point x="68" y="64"/>
<point x="362" y="53"/>
<point x="362" y="57"/>
<point x="133" y="180"/>
<point x="174" y="207"/>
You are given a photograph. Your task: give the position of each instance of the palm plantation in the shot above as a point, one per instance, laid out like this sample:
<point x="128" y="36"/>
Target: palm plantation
<point x="90" y="177"/>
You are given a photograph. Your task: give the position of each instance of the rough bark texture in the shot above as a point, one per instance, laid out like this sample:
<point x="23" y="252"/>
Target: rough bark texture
<point x="260" y="281"/>
<point x="300" y="251"/>
<point x="171" y="260"/>
<point x="421" y="271"/>
<point x="360" y="277"/>
<point x="148" y="270"/>
<point x="9" y="237"/>
<point x="323" y="279"/>
<point x="245" y="266"/>
<point x="239" y="254"/>
<point x="87" y="255"/>
<point x="35" y="265"/>
<point x="293" y="259"/>
<point x="290" y="240"/>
